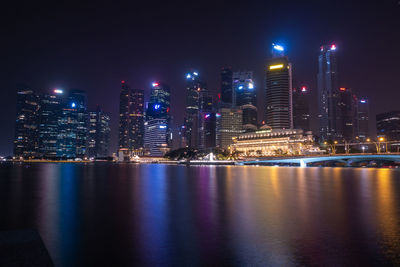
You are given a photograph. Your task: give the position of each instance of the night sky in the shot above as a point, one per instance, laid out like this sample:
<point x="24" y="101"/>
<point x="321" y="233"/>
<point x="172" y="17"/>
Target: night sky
<point x="94" y="46"/>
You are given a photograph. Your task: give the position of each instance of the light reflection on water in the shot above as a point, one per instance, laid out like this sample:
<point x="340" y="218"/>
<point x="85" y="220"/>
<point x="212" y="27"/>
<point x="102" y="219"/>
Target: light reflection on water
<point x="206" y="215"/>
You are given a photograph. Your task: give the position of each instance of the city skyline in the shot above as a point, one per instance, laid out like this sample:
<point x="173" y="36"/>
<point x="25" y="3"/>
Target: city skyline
<point x="105" y="91"/>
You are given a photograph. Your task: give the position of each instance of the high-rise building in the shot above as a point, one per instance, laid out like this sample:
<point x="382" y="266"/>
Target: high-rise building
<point x="279" y="114"/>
<point x="229" y="124"/>
<point x="362" y="118"/>
<point x="244" y="97"/>
<point x="156" y="136"/>
<point x="206" y="121"/>
<point x="158" y="120"/>
<point x="26" y="124"/>
<point x="49" y="113"/>
<point x="388" y="125"/>
<point x="124" y="118"/>
<point x="346" y="123"/>
<point x="301" y="108"/>
<point x="194" y="87"/>
<point x="72" y="127"/>
<point x="136" y="115"/>
<point x="226" y="85"/>
<point x="328" y="92"/>
<point x="98" y="134"/>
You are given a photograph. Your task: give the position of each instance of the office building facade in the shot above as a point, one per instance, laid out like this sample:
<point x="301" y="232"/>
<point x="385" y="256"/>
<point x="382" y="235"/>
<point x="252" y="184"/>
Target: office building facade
<point x="279" y="113"/>
<point x="363" y="119"/>
<point x="229" y="124"/>
<point x="388" y="125"/>
<point x="328" y="87"/>
<point x="301" y="108"/>
<point x="26" y="124"/>
<point x="98" y="134"/>
<point x="244" y="97"/>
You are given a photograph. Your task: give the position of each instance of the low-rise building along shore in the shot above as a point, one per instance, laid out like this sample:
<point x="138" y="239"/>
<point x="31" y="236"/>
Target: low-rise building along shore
<point x="269" y="142"/>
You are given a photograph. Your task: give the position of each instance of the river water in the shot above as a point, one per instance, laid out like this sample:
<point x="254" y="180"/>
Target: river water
<point x="152" y="215"/>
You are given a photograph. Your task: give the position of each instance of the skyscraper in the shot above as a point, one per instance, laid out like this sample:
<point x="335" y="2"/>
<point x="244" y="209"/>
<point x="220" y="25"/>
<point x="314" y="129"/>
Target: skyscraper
<point x="194" y="86"/>
<point x="49" y="113"/>
<point x="229" y="123"/>
<point x="72" y="127"/>
<point x="346" y="122"/>
<point x="226" y="85"/>
<point x="26" y="124"/>
<point x="206" y="121"/>
<point x="158" y="139"/>
<point x="244" y="97"/>
<point x="328" y="92"/>
<point x="301" y="108"/>
<point x="124" y="118"/>
<point x="98" y="134"/>
<point x="136" y="115"/>
<point x="279" y="114"/>
<point x="363" y="118"/>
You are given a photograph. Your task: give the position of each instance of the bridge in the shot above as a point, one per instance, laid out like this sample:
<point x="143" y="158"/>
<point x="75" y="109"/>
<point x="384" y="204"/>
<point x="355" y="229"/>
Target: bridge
<point x="346" y="159"/>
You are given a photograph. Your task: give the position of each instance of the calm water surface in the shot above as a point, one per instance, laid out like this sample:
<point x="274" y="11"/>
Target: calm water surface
<point x="152" y="215"/>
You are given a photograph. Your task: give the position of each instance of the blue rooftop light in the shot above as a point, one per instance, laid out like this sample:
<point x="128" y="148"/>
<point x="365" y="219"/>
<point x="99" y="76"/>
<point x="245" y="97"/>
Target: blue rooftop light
<point x="73" y="104"/>
<point x="278" y="47"/>
<point x="240" y="87"/>
<point x="156" y="106"/>
<point x="195" y="74"/>
<point x="188" y="76"/>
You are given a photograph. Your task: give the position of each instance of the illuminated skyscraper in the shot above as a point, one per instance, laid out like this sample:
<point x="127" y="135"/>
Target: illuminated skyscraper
<point x="72" y="127"/>
<point x="244" y="97"/>
<point x="346" y="114"/>
<point x="328" y="90"/>
<point x="226" y="86"/>
<point x="229" y="124"/>
<point x="124" y="118"/>
<point x="98" y="134"/>
<point x="301" y="108"/>
<point x="363" y="118"/>
<point x="158" y="132"/>
<point x="206" y="121"/>
<point x="26" y="124"/>
<point x="279" y="114"/>
<point x="136" y="115"/>
<point x="49" y="113"/>
<point x="194" y="87"/>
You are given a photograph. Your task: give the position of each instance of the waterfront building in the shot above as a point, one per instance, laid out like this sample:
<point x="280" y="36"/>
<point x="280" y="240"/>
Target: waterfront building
<point x="156" y="137"/>
<point x="206" y="121"/>
<point x="194" y="87"/>
<point x="26" y="124"/>
<point x="244" y="97"/>
<point x="98" y="134"/>
<point x="328" y="88"/>
<point x="363" y="118"/>
<point x="49" y="113"/>
<point x="72" y="127"/>
<point x="229" y="124"/>
<point x="158" y="120"/>
<point x="388" y="125"/>
<point x="279" y="113"/>
<point x="124" y="122"/>
<point x="270" y="142"/>
<point x="226" y="85"/>
<point x="347" y="114"/>
<point x="301" y="108"/>
<point x="136" y="120"/>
